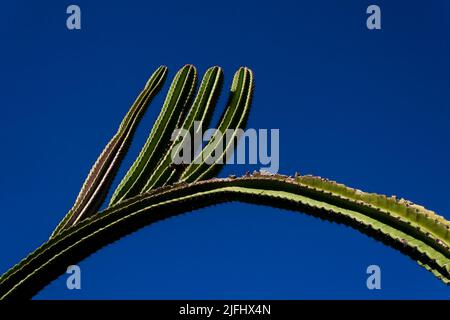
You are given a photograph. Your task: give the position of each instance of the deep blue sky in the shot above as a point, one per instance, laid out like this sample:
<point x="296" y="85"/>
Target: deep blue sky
<point x="367" y="108"/>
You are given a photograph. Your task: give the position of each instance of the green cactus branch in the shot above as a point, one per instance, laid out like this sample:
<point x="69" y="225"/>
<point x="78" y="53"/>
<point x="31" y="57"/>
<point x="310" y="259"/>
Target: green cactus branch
<point x="100" y="177"/>
<point x="171" y="115"/>
<point x="201" y="111"/>
<point x="153" y="189"/>
<point x="234" y="117"/>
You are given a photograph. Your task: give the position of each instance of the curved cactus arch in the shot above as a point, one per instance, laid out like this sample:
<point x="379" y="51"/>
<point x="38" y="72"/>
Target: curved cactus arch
<point x="410" y="228"/>
<point x="153" y="190"/>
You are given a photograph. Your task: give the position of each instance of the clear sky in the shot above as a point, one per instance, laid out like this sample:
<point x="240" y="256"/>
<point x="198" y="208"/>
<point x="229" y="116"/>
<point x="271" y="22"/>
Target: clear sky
<point x="366" y="108"/>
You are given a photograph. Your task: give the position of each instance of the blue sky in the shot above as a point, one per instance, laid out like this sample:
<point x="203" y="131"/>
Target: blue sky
<point x="366" y="108"/>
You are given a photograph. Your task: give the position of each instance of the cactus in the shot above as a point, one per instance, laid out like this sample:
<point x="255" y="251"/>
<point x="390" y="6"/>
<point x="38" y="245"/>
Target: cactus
<point x="153" y="189"/>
